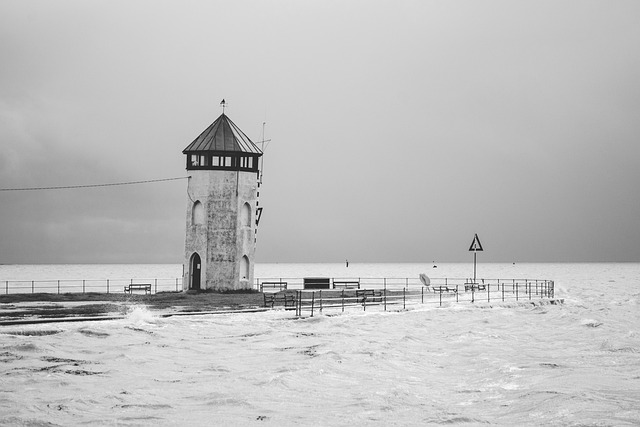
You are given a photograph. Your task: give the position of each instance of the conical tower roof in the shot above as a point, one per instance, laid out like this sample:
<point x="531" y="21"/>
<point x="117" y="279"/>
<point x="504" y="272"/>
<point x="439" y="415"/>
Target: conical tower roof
<point x="222" y="136"/>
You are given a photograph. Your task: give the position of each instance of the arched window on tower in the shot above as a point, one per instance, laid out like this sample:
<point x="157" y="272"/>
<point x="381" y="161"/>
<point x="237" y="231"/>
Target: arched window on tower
<point x="245" y="215"/>
<point x="244" y="268"/>
<point x="197" y="214"/>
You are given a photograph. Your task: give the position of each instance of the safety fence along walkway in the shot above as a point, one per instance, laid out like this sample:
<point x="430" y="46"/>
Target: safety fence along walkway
<point x="386" y="293"/>
<point x="89" y="285"/>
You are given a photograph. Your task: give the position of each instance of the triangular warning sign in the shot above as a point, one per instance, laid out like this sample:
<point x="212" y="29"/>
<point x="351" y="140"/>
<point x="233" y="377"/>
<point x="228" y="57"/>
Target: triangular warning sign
<point x="476" y="246"/>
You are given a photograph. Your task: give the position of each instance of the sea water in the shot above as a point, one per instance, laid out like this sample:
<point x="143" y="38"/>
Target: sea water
<point x="577" y="363"/>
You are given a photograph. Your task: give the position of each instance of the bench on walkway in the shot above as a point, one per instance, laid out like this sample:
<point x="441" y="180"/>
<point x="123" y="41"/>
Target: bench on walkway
<point x="474" y="287"/>
<point x="317" y="283"/>
<point x="368" y="295"/>
<point x="443" y="289"/>
<point x="271" y="300"/>
<point x="146" y="287"/>
<point x="346" y="284"/>
<point x="281" y="286"/>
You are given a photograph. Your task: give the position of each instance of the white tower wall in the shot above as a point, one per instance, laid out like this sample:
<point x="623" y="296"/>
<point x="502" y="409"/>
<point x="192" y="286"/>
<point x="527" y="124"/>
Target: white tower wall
<point x="226" y="232"/>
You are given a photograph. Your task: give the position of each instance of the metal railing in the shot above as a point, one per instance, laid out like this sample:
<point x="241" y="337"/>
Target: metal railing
<point x="85" y="286"/>
<point x="360" y="292"/>
<point x="382" y="293"/>
<point x="297" y="283"/>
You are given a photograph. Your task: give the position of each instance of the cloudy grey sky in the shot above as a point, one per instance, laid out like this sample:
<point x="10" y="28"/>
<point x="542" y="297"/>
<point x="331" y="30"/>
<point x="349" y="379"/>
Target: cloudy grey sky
<point x="399" y="128"/>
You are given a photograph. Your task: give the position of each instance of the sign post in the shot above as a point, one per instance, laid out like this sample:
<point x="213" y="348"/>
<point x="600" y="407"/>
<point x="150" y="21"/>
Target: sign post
<point x="475" y="247"/>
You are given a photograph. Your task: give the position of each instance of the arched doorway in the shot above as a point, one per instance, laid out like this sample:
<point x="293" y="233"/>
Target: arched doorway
<point x="195" y="267"/>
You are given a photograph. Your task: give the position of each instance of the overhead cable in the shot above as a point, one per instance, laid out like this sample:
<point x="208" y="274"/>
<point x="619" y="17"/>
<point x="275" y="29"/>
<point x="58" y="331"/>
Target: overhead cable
<point x="93" y="185"/>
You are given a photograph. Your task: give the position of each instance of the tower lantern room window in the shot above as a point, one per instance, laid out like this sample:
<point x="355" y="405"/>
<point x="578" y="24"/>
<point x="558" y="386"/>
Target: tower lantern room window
<point x="239" y="161"/>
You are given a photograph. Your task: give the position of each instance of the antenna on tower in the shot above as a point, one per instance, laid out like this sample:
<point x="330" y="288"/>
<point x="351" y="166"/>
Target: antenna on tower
<point x="223" y="104"/>
<point x="264" y="140"/>
<point x="263" y="148"/>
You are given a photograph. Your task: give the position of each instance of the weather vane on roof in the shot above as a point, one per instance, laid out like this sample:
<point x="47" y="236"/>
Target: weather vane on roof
<point x="223" y="104"/>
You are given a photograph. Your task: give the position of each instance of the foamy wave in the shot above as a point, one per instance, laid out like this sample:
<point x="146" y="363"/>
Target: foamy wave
<point x="140" y="314"/>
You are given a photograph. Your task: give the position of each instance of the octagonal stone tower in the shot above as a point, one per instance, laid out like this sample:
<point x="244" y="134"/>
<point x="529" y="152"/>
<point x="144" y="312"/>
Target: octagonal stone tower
<point x="222" y="199"/>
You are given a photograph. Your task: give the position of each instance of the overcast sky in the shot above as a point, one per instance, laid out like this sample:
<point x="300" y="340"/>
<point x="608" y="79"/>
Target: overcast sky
<point x="399" y="128"/>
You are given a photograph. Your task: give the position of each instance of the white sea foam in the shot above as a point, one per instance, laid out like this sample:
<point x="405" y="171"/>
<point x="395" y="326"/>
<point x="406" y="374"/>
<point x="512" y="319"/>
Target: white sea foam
<point x="506" y="364"/>
<point x="140" y="314"/>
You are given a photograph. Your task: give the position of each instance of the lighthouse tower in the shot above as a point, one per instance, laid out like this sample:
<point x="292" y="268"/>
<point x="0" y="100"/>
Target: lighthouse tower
<point x="222" y="195"/>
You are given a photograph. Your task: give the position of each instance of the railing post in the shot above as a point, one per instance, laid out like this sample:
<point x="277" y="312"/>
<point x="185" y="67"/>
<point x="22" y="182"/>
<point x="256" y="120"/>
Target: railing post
<point x="440" y="297"/>
<point x="422" y="296"/>
<point x="107" y="285"/>
<point x="58" y="287"/>
<point x="313" y="301"/>
<point x="540" y="288"/>
<point x="83" y="287"/>
<point x="320" y="295"/>
<point x="297" y="303"/>
<point x="343" y="300"/>
<point x="546" y="288"/>
<point x="404" y="298"/>
<point x="488" y="292"/>
<point x="502" y="289"/>
<point x="156" y="283"/>
<point x="548" y="283"/>
<point x="529" y="290"/>
<point x="516" y="285"/>
<point x="385" y="298"/>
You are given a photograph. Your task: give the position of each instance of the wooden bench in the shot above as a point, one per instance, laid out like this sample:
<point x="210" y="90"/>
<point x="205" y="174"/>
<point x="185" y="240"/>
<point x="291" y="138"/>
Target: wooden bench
<point x="368" y="295"/>
<point x="281" y="286"/>
<point x="288" y="300"/>
<point x="317" y="283"/>
<point x="442" y="289"/>
<point x="146" y="287"/>
<point x="474" y="287"/>
<point x="346" y="284"/>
